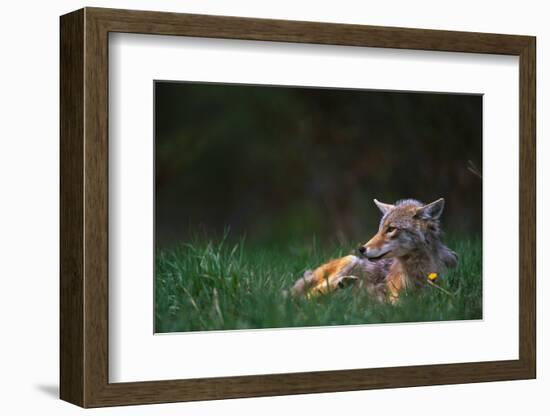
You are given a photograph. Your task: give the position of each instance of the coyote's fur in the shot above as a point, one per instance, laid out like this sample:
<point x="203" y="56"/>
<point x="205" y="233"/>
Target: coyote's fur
<point x="406" y="249"/>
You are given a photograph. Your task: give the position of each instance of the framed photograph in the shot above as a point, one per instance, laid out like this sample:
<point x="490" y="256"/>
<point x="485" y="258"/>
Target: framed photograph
<point x="255" y="207"/>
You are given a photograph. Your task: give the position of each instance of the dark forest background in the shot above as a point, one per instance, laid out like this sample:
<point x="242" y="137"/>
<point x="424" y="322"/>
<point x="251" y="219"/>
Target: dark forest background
<point x="279" y="164"/>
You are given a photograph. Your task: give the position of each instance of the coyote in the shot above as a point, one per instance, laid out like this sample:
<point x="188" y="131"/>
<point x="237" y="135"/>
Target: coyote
<point x="406" y="250"/>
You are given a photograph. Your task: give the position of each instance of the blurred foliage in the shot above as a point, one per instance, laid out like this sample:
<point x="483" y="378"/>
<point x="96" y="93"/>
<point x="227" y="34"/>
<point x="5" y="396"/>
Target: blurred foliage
<point x="283" y="163"/>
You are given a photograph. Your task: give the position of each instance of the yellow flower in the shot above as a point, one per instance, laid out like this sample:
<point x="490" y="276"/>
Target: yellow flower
<point x="432" y="276"/>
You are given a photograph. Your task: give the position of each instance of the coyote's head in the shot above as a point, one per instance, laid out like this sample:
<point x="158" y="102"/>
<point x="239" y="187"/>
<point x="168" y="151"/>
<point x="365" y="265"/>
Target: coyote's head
<point x="405" y="228"/>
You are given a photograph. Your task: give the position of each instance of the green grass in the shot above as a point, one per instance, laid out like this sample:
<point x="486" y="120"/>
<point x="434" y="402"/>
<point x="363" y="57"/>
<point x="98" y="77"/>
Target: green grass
<point x="205" y="286"/>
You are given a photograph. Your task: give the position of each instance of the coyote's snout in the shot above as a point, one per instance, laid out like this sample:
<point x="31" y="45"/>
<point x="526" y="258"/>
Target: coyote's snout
<point x="405" y="250"/>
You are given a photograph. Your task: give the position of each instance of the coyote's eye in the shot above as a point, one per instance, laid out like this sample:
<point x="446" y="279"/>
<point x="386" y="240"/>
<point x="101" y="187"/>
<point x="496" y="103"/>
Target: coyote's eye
<point x="390" y="229"/>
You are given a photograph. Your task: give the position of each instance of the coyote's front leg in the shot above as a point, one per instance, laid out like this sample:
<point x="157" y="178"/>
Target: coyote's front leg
<point x="326" y="278"/>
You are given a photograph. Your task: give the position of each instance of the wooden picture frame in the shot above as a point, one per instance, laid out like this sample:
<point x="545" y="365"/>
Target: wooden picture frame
<point x="84" y="207"/>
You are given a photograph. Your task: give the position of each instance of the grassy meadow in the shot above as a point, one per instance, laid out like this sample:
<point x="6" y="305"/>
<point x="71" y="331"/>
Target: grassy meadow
<point x="224" y="285"/>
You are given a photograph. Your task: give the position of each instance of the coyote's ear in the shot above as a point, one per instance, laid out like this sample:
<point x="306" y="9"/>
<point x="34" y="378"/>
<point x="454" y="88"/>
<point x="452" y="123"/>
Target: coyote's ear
<point x="433" y="210"/>
<point x="384" y="208"/>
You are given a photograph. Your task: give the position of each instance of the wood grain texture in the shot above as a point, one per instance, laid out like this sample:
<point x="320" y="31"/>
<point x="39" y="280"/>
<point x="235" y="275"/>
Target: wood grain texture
<point x="527" y="208"/>
<point x="72" y="215"/>
<point x="84" y="207"/>
<point x="96" y="218"/>
<point x="162" y="23"/>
